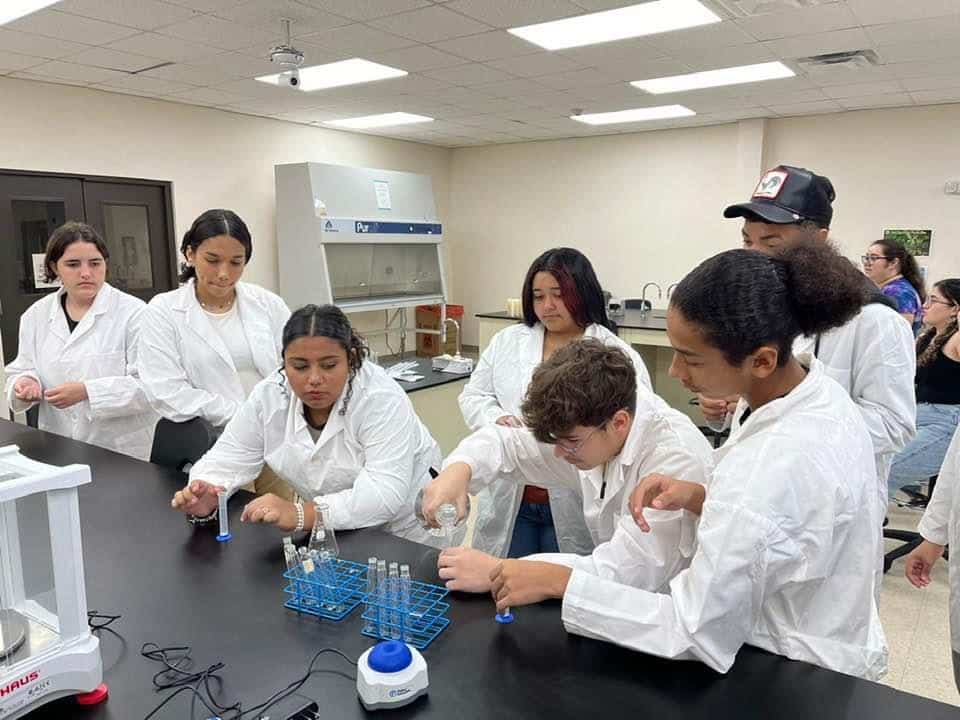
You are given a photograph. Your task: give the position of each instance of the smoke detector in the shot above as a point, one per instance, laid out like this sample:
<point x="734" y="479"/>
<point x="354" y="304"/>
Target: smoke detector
<point x="838" y="62"/>
<point x="285" y="56"/>
<point x="750" y="8"/>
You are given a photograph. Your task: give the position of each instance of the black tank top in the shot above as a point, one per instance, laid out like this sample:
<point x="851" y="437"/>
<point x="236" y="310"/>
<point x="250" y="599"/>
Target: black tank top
<point x="938" y="382"/>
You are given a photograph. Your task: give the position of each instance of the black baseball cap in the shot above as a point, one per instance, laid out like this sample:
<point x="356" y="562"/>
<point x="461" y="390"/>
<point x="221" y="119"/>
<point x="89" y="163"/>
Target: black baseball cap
<point x="788" y="194"/>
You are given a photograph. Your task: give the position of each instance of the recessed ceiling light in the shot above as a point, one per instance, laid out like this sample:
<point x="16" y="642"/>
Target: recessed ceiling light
<point x="12" y="9"/>
<point x="647" y="18"/>
<point x="715" y="78"/>
<point x="337" y="74"/>
<point x="376" y="121"/>
<point x="662" y="112"/>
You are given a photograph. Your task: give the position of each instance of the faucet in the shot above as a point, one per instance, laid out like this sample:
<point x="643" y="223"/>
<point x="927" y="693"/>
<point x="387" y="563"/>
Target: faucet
<point x="643" y="296"/>
<point x="457" y="326"/>
<point x="670" y="290"/>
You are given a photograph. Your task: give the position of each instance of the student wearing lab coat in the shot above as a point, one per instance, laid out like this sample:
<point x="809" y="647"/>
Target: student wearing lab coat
<point x="939" y="527"/>
<point x="591" y="428"/>
<point x="788" y="529"/>
<point x="562" y="302"/>
<point x="334" y="426"/>
<point x="78" y="349"/>
<point x="872" y="354"/>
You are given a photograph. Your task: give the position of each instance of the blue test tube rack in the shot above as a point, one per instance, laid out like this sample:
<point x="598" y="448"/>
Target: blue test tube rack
<point x="419" y="624"/>
<point x="328" y="592"/>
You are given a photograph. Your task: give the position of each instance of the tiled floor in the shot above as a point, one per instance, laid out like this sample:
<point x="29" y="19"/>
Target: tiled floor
<point x="917" y="626"/>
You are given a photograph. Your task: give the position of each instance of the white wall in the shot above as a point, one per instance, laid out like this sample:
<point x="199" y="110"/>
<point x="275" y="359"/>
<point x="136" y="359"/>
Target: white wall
<point x="213" y="158"/>
<point x="888" y="167"/>
<point x="648" y="206"/>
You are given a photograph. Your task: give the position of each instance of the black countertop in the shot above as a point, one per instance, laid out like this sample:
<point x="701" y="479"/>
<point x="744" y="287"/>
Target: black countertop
<point x="175" y="584"/>
<point x="632" y="320"/>
<point x="431" y="377"/>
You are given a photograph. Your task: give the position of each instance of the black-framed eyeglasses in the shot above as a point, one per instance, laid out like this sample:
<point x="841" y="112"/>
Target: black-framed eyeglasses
<point x="871" y="259"/>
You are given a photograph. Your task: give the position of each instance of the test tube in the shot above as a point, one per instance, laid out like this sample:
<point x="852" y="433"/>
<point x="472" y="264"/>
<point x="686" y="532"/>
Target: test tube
<point x="393" y="590"/>
<point x="371" y="590"/>
<point x="405" y="588"/>
<point x="382" y="617"/>
<point x="328" y="581"/>
<point x="289" y="553"/>
<point x="447" y="519"/>
<point x="224" y="519"/>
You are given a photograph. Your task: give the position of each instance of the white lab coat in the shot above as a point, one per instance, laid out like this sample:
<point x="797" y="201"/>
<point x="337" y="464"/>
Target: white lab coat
<point x="785" y="555"/>
<point x="102" y="354"/>
<point x="874" y="358"/>
<point x="497" y="388"/>
<point x="661" y="440"/>
<point x="186" y="368"/>
<point x="941" y="525"/>
<point x="367" y="465"/>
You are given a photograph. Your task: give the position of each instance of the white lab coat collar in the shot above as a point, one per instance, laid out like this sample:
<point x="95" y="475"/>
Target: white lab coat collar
<point x="58" y="321"/>
<point x="615" y="471"/>
<point x="253" y="318"/>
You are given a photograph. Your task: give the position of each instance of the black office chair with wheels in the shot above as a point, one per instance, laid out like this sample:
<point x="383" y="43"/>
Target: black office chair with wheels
<point x="180" y="445"/>
<point x="911" y="539"/>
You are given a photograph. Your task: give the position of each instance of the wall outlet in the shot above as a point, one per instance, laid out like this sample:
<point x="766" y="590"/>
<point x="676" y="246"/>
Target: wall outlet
<point x="952" y="187"/>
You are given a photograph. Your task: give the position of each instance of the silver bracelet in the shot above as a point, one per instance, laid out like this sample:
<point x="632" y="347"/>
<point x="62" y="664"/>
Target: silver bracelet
<point x="204" y="519"/>
<point x="298" y="506"/>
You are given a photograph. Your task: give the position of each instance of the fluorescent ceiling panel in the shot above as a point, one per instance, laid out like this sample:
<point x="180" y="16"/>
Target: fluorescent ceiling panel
<point x="662" y="112"/>
<point x="12" y="9"/>
<point x="338" y="74"/>
<point x="377" y="121"/>
<point x="633" y="21"/>
<point x="715" y="78"/>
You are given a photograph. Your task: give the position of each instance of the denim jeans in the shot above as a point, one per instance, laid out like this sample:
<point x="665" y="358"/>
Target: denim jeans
<point x="533" y="531"/>
<point x="923" y="457"/>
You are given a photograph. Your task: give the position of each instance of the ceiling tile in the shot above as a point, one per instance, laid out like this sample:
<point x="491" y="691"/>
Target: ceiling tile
<point x="15" y="61"/>
<point x="875" y="12"/>
<point x="819" y="43"/>
<point x="113" y="59"/>
<point x="514" y="13"/>
<point x="620" y="92"/>
<point x="142" y="83"/>
<point x="864" y="89"/>
<point x="645" y="70"/>
<point x="920" y="51"/>
<point x="142" y="14"/>
<point x="512" y="88"/>
<point x="28" y="75"/>
<point x="560" y="101"/>
<point x="875" y="101"/>
<point x="223" y="34"/>
<point x="536" y="64"/>
<point x="359" y="39"/>
<point x="206" y="96"/>
<point x="228" y="66"/>
<point x="487" y="46"/>
<point x="849" y="76"/>
<point x="806" y="21"/>
<point x="430" y="25"/>
<point x="725" y="57"/>
<point x="200" y="75"/>
<point x="163" y="47"/>
<point x="78" y="73"/>
<point x="37" y="45"/>
<point x="944" y="28"/>
<point x="62" y="26"/>
<point x="934" y="68"/>
<point x="931" y="97"/>
<point x="267" y="15"/>
<point x="575" y="79"/>
<point x="406" y="85"/>
<point x="206" y="5"/>
<point x="806" y="108"/>
<point x="625" y="51"/>
<point x="469" y="74"/>
<point x="417" y="58"/>
<point x="939" y="82"/>
<point x="366" y="9"/>
<point x="718" y="35"/>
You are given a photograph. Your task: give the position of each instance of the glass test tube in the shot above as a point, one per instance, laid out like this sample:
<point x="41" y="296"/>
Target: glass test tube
<point x="405" y="588"/>
<point x="382" y="617"/>
<point x="371" y="590"/>
<point x="393" y="590"/>
<point x="223" y="517"/>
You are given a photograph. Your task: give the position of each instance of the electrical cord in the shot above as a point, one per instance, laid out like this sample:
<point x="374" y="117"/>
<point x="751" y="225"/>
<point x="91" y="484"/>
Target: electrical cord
<point x="99" y="621"/>
<point x="177" y="675"/>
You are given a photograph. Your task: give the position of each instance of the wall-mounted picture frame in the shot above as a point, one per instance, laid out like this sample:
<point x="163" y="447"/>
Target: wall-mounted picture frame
<point x="917" y="242"/>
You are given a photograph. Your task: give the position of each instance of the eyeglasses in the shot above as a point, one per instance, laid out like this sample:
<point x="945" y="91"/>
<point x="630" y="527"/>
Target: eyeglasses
<point x="574" y="450"/>
<point x="871" y="259"/>
<point x="937" y="301"/>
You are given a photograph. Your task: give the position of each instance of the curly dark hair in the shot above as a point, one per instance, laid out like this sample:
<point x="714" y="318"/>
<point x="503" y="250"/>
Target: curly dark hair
<point x="929" y="343"/>
<point x="743" y="299"/>
<point x="328" y="321"/>
<point x="894" y="250"/>
<point x="583" y="383"/>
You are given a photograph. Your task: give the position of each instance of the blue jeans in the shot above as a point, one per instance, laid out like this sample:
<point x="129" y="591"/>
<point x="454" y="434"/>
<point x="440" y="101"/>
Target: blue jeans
<point x="533" y="531"/>
<point x="923" y="457"/>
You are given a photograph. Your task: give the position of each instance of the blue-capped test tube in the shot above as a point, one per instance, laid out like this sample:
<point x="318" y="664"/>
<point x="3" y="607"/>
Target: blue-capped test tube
<point x="222" y="513"/>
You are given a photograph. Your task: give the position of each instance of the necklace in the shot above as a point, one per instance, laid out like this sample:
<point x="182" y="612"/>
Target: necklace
<point x="210" y="307"/>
